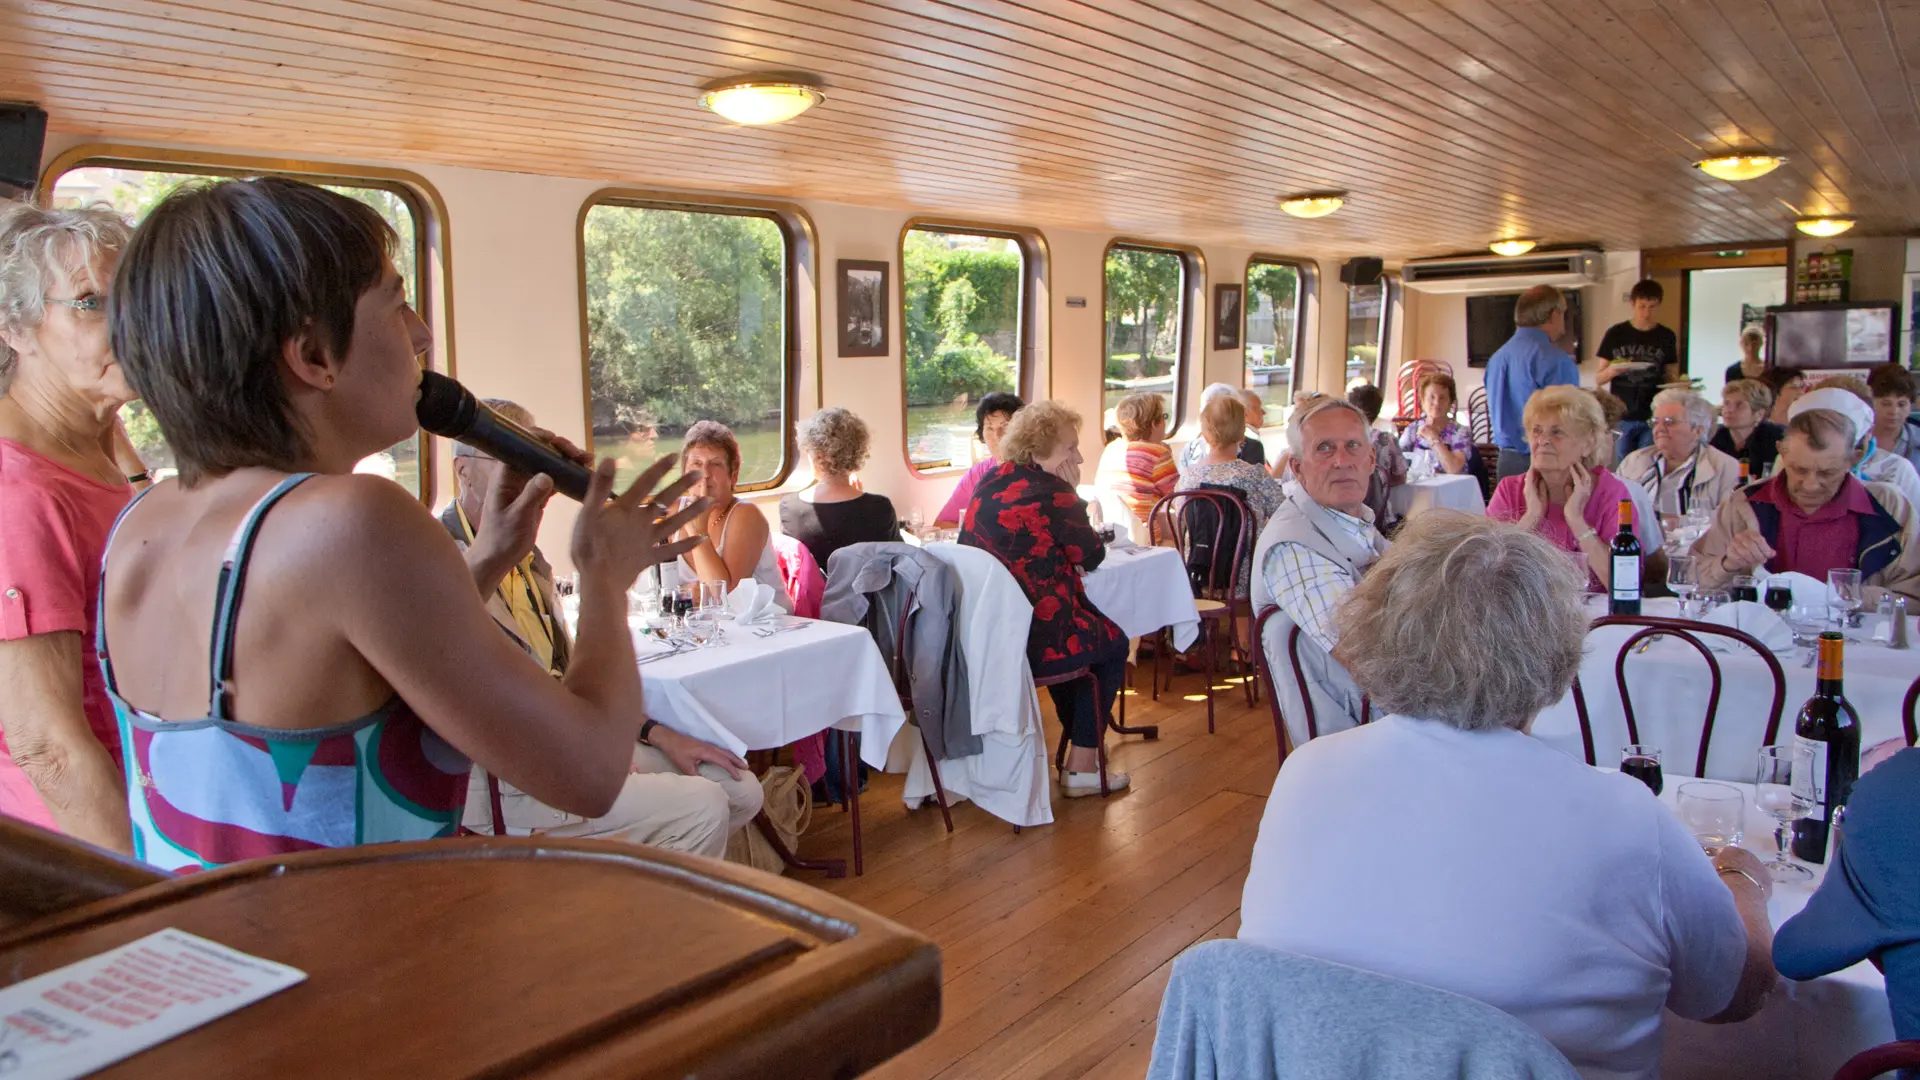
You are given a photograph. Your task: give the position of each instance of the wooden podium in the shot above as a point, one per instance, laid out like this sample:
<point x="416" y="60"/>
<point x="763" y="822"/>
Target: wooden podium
<point x="495" y="957"/>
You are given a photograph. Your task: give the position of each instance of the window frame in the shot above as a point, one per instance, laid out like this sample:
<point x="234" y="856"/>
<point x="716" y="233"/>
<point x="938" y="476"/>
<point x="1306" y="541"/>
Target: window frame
<point x="1389" y="291"/>
<point x="433" y="274"/>
<point x="800" y="313"/>
<point x="1033" y="282"/>
<point x="1193" y="276"/>
<point x="1307" y="289"/>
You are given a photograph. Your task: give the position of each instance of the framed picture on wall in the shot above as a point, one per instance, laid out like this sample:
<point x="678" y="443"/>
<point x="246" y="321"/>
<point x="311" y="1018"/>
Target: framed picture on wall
<point x="1226" y="316"/>
<point x="863" y="307"/>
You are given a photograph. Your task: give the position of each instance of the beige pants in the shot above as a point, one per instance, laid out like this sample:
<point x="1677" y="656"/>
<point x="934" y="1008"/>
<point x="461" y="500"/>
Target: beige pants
<point x="659" y="805"/>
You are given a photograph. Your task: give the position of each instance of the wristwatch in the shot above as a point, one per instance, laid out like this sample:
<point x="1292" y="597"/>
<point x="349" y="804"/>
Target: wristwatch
<point x="646" y="729"/>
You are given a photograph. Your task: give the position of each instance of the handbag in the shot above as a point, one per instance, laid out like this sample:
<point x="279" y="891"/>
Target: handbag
<point x="789" y="807"/>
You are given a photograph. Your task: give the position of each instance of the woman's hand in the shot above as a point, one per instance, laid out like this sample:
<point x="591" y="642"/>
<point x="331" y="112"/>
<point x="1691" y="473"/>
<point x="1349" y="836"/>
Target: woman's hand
<point x="1576" y="508"/>
<point x="615" y="539"/>
<point x="1535" y="487"/>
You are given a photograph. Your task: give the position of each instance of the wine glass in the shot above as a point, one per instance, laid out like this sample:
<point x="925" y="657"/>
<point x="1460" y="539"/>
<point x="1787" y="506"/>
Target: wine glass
<point x="916" y="520"/>
<point x="1715" y="813"/>
<point x="1845" y="595"/>
<point x="1776" y="794"/>
<point x="1683" y="576"/>
<point x="1642" y="762"/>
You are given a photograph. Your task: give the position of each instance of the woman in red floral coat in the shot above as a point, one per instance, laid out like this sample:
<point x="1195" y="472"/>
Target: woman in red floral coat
<point x="1026" y="514"/>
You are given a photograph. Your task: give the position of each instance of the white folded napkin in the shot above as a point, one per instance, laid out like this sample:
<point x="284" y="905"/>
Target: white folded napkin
<point x="751" y="602"/>
<point x="1753" y="618"/>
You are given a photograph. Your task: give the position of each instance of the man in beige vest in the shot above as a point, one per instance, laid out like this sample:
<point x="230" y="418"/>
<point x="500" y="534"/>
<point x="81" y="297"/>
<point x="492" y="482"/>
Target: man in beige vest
<point x="1309" y="556"/>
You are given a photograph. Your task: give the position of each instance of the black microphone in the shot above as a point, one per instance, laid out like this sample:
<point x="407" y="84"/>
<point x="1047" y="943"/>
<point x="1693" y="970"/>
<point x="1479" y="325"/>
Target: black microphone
<point x="449" y="409"/>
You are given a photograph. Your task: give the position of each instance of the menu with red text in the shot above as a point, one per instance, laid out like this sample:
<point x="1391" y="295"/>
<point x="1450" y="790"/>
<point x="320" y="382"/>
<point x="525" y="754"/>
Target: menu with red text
<point x="91" y="1013"/>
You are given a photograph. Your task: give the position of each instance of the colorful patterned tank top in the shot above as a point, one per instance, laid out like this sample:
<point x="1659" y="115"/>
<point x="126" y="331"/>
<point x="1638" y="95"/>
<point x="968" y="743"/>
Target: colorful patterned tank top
<point x="213" y="790"/>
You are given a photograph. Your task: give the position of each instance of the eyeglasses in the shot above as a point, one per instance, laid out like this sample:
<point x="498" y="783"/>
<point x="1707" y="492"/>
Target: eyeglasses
<point x="89" y="304"/>
<point x="1669" y="421"/>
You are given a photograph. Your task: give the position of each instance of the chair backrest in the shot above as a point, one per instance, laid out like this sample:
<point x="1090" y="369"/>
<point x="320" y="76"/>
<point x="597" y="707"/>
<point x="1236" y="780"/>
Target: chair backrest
<point x="1213" y="529"/>
<point x="1407" y="384"/>
<point x="1880" y="1060"/>
<point x="1690" y="632"/>
<point x="1264" y="665"/>
<point x="1479" y="419"/>
<point x="1236" y="1009"/>
<point x="1907" y="710"/>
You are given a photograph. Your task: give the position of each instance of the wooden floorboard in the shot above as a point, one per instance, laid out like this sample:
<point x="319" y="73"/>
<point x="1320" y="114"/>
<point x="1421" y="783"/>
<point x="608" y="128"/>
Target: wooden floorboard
<point x="1057" y="942"/>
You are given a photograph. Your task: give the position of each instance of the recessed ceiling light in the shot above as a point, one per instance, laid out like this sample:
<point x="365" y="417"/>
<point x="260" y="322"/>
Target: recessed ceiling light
<point x="1313" y="204"/>
<point x="1823" y="226"/>
<point x="1737" y="167"/>
<point x="761" y="99"/>
<point x="1516" y="246"/>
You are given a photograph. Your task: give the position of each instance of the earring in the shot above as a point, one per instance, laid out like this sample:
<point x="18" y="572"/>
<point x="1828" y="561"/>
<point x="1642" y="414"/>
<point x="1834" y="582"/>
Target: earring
<point x="329" y="380"/>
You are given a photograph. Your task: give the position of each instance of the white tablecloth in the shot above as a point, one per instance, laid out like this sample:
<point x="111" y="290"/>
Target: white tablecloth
<point x="1452" y="491"/>
<point x="1143" y="589"/>
<point x="1806" y="1029"/>
<point x="1670" y="685"/>
<point x="760" y="693"/>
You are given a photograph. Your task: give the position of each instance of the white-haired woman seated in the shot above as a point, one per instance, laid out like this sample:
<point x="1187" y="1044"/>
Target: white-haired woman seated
<point x="1680" y="470"/>
<point x="835" y="512"/>
<point x="1443" y="845"/>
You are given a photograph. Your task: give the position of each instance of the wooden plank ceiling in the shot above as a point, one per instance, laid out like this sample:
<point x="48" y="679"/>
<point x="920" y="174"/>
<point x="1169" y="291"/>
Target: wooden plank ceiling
<point x="1451" y="122"/>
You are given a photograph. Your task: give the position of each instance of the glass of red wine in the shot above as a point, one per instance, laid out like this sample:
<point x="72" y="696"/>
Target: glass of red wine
<point x="1742" y="588"/>
<point x="1779" y="597"/>
<point x="1643" y="764"/>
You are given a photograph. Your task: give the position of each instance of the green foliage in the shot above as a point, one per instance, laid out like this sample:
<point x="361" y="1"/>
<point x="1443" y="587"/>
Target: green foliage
<point x="956" y="298"/>
<point x="685" y="318"/>
<point x="1143" y="311"/>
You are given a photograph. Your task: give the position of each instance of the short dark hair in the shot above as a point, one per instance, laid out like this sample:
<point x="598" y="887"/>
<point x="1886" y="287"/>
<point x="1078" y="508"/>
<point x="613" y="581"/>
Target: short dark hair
<point x="1777" y="377"/>
<point x="713" y="435"/>
<point x="1890" y="380"/>
<point x="1368" y="399"/>
<point x="998" y="401"/>
<point x="1647" y="289"/>
<point x="217" y="280"/>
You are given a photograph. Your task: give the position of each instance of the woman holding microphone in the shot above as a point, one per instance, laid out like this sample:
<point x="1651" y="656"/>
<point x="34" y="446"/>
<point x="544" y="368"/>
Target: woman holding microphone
<point x="264" y="324"/>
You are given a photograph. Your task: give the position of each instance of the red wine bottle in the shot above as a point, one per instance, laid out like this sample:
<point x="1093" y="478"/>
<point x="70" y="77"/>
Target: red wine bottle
<point x="1625" y="563"/>
<point x="1826" y="748"/>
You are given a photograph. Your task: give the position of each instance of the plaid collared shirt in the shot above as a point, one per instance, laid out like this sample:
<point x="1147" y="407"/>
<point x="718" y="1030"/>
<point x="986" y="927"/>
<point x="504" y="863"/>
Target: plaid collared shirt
<point x="1307" y="584"/>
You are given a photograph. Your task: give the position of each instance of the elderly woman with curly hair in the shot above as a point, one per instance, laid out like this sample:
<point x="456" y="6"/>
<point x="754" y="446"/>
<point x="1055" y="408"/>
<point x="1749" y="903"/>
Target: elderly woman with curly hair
<point x="1026" y="514"/>
<point x="66" y="470"/>
<point x="1566" y="896"/>
<point x="834" y="512"/>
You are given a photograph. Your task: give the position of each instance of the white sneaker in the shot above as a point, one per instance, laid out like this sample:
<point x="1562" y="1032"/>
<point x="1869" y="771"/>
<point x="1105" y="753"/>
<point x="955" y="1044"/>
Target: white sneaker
<point x="1076" y="785"/>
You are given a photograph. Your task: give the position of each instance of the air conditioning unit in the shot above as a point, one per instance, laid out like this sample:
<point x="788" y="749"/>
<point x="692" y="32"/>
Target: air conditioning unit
<point x="1500" y="274"/>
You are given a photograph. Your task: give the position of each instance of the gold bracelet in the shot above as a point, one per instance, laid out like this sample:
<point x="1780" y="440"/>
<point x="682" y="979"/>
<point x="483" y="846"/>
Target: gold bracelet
<point x="1742" y="873"/>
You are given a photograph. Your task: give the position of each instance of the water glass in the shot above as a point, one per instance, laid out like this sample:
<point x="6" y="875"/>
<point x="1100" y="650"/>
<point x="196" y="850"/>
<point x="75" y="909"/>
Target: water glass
<point x="1807" y="621"/>
<point x="1683" y="576"/>
<point x="1774" y="792"/>
<point x="713" y="596"/>
<point x="701" y="627"/>
<point x="1845" y="595"/>
<point x="1642" y="762"/>
<point x="916" y="520"/>
<point x="1716" y="814"/>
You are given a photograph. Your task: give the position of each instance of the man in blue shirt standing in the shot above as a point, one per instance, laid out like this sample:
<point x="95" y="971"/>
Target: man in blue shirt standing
<point x="1529" y="361"/>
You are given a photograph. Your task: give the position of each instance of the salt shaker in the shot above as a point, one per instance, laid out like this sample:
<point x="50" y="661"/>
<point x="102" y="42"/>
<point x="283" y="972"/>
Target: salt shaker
<point x="1897" y="638"/>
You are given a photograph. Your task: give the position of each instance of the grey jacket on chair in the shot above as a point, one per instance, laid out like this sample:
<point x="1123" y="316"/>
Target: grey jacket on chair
<point x="871" y="585"/>
<point x="1235" y="1011"/>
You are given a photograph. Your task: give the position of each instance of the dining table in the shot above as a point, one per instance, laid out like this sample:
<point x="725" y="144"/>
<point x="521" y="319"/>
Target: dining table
<point x="1144" y="589"/>
<point x="1451" y="491"/>
<point x="1805" y="1029"/>
<point x="1670" y="686"/>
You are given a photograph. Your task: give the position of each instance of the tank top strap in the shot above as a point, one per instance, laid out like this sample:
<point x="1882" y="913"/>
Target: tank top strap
<point x="100" y="597"/>
<point x="226" y="600"/>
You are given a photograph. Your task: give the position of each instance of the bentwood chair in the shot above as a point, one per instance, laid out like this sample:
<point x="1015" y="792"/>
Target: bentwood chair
<point x="1690" y="632"/>
<point x="1907" y="710"/>
<point x="1216" y="557"/>
<point x="1880" y="1060"/>
<point x="1265" y="667"/>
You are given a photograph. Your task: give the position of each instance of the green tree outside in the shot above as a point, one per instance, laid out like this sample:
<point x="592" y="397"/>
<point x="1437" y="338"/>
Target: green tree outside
<point x="961" y="292"/>
<point x="1142" y="341"/>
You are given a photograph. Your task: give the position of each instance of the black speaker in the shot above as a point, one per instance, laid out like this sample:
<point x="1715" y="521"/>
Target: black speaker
<point x="23" y="131"/>
<point x="1362" y="271"/>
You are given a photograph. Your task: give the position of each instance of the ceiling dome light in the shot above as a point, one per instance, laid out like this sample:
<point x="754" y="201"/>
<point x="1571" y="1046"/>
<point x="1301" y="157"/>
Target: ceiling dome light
<point x="1737" y="167"/>
<point x="1823" y="226"/>
<point x="1510" y="248"/>
<point x="761" y="99"/>
<point x="1316" y="204"/>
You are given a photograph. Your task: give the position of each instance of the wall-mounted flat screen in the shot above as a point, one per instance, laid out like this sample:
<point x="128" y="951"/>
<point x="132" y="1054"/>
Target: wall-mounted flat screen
<point x="1490" y="324"/>
<point x="1831" y="336"/>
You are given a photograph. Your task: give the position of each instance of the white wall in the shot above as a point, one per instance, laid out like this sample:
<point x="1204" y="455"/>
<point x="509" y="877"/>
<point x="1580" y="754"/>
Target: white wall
<point x="1714" y="299"/>
<point x="513" y="275"/>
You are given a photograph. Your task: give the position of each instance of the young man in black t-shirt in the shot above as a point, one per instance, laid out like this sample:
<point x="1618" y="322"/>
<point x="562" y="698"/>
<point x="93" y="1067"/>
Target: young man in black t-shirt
<point x="1641" y="354"/>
